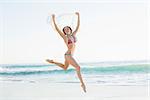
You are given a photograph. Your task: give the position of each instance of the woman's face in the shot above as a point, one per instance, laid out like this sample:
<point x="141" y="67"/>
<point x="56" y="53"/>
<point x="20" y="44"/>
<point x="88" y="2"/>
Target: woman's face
<point x="67" y="30"/>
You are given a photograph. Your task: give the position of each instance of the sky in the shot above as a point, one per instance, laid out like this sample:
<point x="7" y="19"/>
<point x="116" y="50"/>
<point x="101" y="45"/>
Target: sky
<point x="109" y="31"/>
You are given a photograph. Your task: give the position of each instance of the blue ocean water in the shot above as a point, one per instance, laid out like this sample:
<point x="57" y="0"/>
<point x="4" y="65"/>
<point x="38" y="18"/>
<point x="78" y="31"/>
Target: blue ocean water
<point x="105" y="73"/>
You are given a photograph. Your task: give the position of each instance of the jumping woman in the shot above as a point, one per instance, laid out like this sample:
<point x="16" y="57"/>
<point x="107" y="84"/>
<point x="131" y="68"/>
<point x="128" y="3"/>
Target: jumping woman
<point x="69" y="38"/>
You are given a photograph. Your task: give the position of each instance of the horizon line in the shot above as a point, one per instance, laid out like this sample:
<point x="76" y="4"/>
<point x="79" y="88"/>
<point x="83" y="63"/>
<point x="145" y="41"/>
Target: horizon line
<point x="85" y="62"/>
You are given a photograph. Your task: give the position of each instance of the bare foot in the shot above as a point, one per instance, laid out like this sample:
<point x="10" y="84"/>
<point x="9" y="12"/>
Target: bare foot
<point x="84" y="88"/>
<point x="50" y="61"/>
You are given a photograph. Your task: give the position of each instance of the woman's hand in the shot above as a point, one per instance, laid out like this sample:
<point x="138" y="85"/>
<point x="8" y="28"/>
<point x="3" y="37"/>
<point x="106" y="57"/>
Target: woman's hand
<point x="53" y="16"/>
<point x="77" y="13"/>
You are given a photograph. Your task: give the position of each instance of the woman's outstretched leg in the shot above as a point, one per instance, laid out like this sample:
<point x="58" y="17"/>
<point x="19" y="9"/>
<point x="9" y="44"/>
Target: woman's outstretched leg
<point x="64" y="66"/>
<point x="81" y="80"/>
<point x="72" y="61"/>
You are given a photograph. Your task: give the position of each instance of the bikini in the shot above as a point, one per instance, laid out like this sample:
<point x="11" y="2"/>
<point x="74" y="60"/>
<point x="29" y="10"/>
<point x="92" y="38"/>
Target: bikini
<point x="70" y="42"/>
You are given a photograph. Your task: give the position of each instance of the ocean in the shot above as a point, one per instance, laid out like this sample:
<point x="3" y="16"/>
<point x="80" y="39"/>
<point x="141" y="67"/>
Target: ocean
<point x="103" y="73"/>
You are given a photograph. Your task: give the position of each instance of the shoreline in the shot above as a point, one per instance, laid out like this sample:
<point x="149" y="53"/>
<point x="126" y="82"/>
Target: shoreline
<point x="69" y="91"/>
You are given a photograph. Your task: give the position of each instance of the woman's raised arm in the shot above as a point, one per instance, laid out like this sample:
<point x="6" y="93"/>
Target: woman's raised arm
<point x="56" y="27"/>
<point x="78" y="24"/>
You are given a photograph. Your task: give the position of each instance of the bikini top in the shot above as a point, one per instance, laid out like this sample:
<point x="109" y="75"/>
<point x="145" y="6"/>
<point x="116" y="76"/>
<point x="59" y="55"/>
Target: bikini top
<point x="71" y="39"/>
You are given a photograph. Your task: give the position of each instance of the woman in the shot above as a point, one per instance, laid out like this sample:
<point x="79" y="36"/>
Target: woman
<point x="70" y="40"/>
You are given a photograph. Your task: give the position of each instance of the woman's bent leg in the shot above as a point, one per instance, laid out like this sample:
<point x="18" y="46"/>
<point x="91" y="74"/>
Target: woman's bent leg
<point x="64" y="66"/>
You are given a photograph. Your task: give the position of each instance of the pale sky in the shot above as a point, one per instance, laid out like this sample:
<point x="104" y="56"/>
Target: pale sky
<point x="109" y="31"/>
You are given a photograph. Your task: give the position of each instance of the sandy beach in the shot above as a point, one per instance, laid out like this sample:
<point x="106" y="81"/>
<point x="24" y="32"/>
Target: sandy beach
<point x="70" y="91"/>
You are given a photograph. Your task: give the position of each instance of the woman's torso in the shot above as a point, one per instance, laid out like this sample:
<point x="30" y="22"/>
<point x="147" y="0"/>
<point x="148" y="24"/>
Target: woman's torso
<point x="70" y="41"/>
